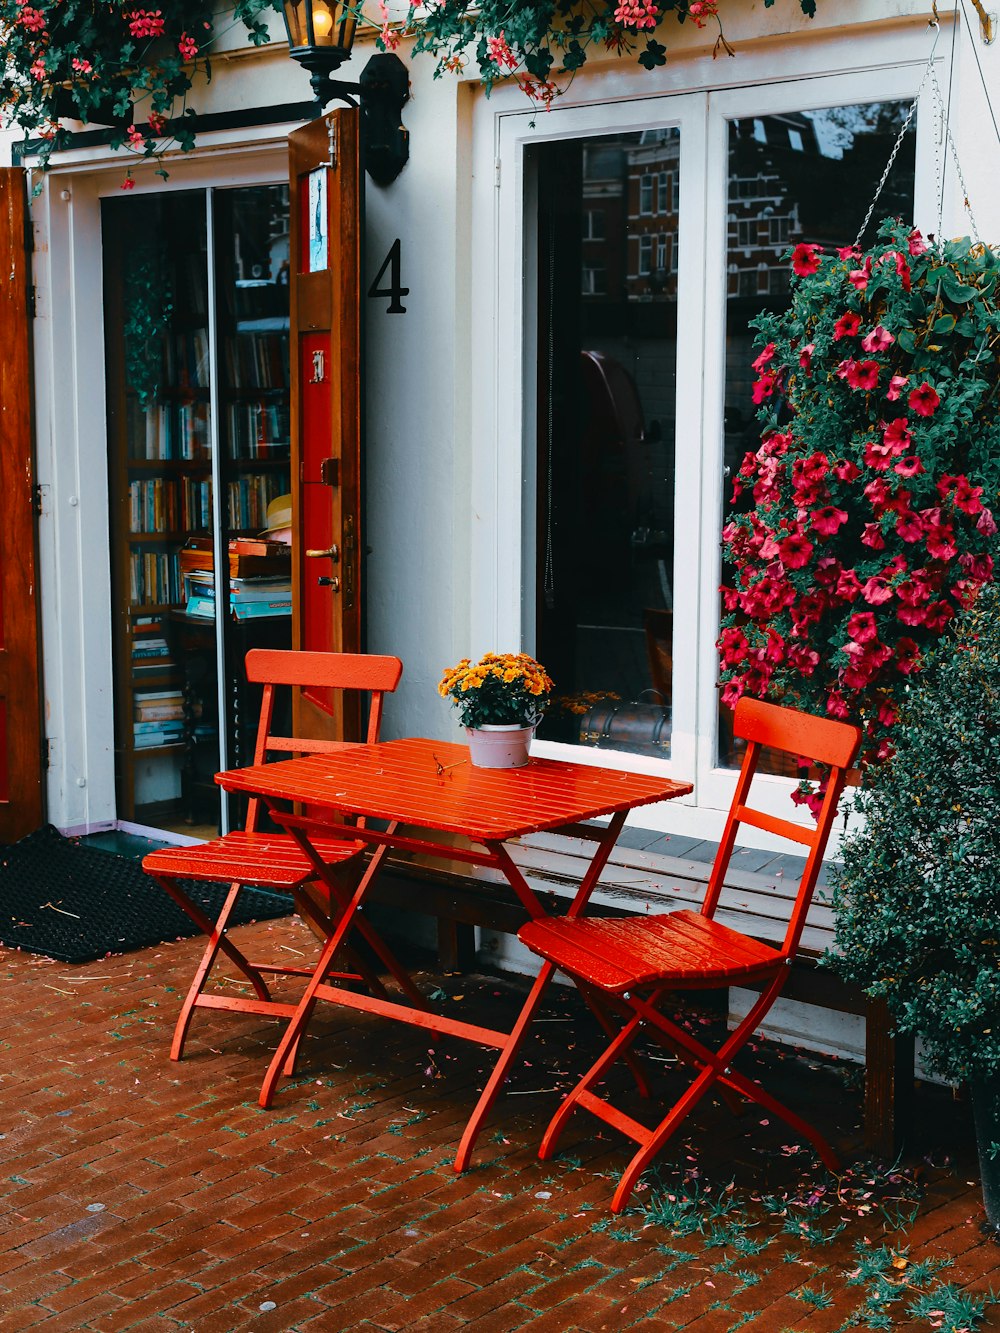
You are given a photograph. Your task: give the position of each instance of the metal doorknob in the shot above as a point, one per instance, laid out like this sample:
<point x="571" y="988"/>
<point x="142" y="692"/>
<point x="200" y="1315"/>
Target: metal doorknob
<point x="329" y="581"/>
<point x="331" y="552"/>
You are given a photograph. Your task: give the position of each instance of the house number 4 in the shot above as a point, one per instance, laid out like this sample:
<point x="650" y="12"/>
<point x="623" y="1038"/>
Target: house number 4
<point x="394" y="291"/>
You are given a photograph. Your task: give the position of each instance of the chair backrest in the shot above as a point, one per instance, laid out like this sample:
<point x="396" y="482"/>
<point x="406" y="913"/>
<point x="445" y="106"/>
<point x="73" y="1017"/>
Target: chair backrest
<point x="271" y="667"/>
<point x="821" y="740"/>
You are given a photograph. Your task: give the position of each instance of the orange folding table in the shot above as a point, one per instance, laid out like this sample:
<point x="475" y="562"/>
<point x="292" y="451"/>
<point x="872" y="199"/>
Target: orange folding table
<point x="417" y="788"/>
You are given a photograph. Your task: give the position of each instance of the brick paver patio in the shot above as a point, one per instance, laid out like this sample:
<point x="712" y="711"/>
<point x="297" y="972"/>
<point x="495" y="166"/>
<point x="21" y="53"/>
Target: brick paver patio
<point x="140" y="1194"/>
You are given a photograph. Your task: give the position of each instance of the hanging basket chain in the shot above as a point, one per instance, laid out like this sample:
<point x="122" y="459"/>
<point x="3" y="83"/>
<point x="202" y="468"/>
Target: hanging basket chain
<point x="928" y="71"/>
<point x="949" y="139"/>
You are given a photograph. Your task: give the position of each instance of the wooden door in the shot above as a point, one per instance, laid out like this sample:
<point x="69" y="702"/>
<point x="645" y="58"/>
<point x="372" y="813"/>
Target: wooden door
<point x="325" y="355"/>
<point x="21" y="784"/>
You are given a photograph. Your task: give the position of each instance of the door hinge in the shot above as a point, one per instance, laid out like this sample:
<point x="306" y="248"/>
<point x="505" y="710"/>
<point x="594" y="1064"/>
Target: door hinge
<point x="496" y="173"/>
<point x="32" y="302"/>
<point x="37" y="497"/>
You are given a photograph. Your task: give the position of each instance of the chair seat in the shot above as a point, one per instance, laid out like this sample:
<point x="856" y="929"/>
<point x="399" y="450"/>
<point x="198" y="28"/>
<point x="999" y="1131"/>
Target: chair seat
<point x="623" y="953"/>
<point x="271" y="860"/>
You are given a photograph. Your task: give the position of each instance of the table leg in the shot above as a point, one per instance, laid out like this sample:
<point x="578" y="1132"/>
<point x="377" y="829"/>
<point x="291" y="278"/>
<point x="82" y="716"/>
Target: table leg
<point x="500" y="1069"/>
<point x="528" y="897"/>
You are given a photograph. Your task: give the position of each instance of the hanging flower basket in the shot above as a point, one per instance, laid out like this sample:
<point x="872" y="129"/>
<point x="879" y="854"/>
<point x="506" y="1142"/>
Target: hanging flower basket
<point x="865" y="520"/>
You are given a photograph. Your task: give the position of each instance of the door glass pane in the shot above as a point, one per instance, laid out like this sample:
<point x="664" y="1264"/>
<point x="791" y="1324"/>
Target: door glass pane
<point x="166" y="592"/>
<point x="252" y="276"/>
<point x="158" y="371"/>
<point x="606" y="391"/>
<point x="805" y="176"/>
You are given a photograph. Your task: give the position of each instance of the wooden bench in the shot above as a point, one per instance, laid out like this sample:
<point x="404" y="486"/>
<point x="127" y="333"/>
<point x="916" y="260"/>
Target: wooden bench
<point x="649" y="871"/>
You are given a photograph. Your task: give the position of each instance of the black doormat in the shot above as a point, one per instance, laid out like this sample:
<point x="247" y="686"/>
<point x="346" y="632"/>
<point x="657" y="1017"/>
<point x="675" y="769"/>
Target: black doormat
<point x="76" y="903"/>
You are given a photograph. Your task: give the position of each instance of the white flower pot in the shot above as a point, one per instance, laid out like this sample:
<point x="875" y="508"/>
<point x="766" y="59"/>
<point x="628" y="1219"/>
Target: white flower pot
<point x="499" y="746"/>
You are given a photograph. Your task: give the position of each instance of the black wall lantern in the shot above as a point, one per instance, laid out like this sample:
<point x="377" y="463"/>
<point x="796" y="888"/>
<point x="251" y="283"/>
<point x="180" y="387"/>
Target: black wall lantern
<point x="320" y="37"/>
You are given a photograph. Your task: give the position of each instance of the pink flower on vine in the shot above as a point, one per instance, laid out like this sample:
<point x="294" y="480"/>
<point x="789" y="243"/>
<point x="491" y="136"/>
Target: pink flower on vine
<point x="878" y="340"/>
<point x="637" y="14"/>
<point x="795" y="550"/>
<point x="907" y="656"/>
<point x="805" y="259"/>
<point x="765" y="358"/>
<point x="827" y="520"/>
<point x="702" y="9"/>
<point x="861" y="627"/>
<point x="31" y="19"/>
<point x="862" y="374"/>
<point x="38" y="70"/>
<point x="876" y="591"/>
<point x="538" y="90"/>
<point x="897" y="435"/>
<point x="157" y="122"/>
<point x="145" y="23"/>
<point x="910" y="466"/>
<point x="82" y="66"/>
<point x="498" y="50"/>
<point x="187" y="46"/>
<point x="847" y="326"/>
<point x="128" y="183"/>
<point x="845" y="470"/>
<point x="916" y="244"/>
<point x="909" y="527"/>
<point x="135" y="138"/>
<point x="924" y="400"/>
<point x="836" y="704"/>
<point x="858" y="277"/>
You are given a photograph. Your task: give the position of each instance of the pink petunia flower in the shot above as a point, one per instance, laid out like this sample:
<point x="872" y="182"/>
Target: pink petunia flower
<point x="878" y="340"/>
<point x="847" y="325"/>
<point x="805" y="259"/>
<point x="916" y="244"/>
<point x="765" y="358"/>
<point x="896" y="386"/>
<point x="910" y="466"/>
<point x="876" y="591"/>
<point x="795" y="551"/>
<point x="863" y="375"/>
<point x="924" y="400"/>
<point x="836" y="704"/>
<point x="907" y="656"/>
<point x="862" y="627"/>
<point x="805" y="356"/>
<point x="844" y="470"/>
<point x="858" y="277"/>
<point x="897" y="435"/>
<point x="827" y="520"/>
<point x="909" y="526"/>
<point x="872" y="536"/>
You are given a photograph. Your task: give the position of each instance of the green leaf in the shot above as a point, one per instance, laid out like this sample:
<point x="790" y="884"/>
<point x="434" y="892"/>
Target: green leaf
<point x="944" y="325"/>
<point x="907" y="341"/>
<point x="956" y="292"/>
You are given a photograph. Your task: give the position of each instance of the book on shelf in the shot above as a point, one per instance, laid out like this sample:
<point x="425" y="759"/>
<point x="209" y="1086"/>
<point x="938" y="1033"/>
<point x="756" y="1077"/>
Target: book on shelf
<point x="150" y="647"/>
<point x="252" y="610"/>
<point x="151" y="667"/>
<point x="248" y="557"/>
<point x="269" y="588"/>
<point x="148" y="739"/>
<point x="202" y="607"/>
<point x="145" y="728"/>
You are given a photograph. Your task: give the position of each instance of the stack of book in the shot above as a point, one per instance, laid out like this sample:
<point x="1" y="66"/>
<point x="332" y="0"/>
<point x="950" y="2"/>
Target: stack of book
<point x="151" y="654"/>
<point x="260" y="581"/>
<point x="248" y="598"/>
<point x="158" y="718"/>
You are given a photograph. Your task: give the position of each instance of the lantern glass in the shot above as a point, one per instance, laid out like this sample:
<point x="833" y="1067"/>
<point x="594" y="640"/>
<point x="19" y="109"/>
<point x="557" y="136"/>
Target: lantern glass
<point x="320" y="25"/>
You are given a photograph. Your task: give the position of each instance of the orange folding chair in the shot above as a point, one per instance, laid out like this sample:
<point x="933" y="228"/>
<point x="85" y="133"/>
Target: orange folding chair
<point x="635" y="962"/>
<point x="274" y="860"/>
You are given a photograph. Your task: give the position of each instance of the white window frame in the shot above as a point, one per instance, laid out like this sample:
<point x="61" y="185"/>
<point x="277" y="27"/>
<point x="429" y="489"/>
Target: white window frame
<point x="504" y="358"/>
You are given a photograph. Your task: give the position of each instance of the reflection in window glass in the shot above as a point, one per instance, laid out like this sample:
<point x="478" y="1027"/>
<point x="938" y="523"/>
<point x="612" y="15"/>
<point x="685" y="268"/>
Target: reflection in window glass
<point x="805" y="176"/>
<point x="605" y="464"/>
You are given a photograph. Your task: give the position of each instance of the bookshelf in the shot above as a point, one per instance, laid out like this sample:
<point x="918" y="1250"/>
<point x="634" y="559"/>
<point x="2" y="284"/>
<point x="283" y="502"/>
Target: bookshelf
<point x="179" y="350"/>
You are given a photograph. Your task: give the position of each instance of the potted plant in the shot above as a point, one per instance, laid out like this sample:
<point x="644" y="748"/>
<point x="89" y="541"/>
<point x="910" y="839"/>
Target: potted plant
<point x="917" y="899"/>
<point x="500" y="701"/>
<point x="864" y="521"/>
